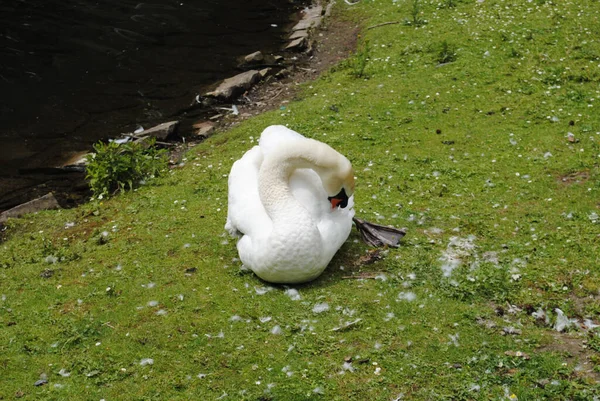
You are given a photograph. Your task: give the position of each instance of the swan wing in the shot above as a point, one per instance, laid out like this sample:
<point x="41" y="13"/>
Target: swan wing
<point x="246" y="214"/>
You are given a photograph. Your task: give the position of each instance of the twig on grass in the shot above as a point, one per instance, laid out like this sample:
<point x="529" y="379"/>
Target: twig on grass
<point x="277" y="94"/>
<point x="383" y="24"/>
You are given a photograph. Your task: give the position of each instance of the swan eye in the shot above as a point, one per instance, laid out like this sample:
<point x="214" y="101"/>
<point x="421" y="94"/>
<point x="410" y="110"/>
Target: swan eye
<point x="340" y="199"/>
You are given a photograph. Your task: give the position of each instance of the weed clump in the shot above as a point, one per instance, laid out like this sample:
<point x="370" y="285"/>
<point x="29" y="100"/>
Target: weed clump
<point x="360" y="60"/>
<point x="117" y="167"/>
<point x="415" y="14"/>
<point x="446" y="53"/>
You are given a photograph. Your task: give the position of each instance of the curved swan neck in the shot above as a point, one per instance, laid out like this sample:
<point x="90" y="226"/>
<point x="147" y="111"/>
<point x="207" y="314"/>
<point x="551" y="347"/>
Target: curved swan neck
<point x="274" y="190"/>
<point x="277" y="168"/>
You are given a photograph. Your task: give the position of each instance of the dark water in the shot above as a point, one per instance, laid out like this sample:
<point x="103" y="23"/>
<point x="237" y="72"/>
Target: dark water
<point x="76" y="71"/>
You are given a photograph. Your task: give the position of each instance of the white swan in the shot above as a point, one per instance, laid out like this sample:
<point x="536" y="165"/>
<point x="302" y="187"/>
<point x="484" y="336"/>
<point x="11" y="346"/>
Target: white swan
<point x="290" y="200"/>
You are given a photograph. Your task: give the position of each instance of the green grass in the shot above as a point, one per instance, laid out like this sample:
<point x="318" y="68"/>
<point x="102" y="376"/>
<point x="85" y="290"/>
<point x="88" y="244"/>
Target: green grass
<point x="457" y="128"/>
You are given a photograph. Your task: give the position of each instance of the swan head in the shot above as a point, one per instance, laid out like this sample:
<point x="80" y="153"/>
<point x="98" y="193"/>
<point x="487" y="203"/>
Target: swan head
<point x="339" y="184"/>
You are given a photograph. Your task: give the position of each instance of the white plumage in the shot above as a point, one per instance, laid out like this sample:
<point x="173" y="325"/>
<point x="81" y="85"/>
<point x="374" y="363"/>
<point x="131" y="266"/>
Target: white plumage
<point x="278" y="203"/>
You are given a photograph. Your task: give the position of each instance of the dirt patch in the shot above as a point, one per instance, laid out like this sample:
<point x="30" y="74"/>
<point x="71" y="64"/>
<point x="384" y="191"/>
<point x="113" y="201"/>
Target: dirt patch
<point x="574" y="347"/>
<point x="578" y="177"/>
<point x="575" y="353"/>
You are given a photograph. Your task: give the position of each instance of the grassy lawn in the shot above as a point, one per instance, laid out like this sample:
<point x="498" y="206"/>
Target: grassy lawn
<point x="474" y="124"/>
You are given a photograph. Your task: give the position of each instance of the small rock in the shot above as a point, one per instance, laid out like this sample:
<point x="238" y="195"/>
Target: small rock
<point x="313" y="12"/>
<point x="40" y="382"/>
<point x="278" y="59"/>
<point x="299" y="34"/>
<point x="297" y="44"/>
<point x="328" y="9"/>
<point x="46" y="202"/>
<point x="161" y="131"/>
<point x="282" y="74"/>
<point x="265" y="72"/>
<point x="77" y="159"/>
<point x="204" y="129"/>
<point x="235" y="86"/>
<point x="311" y="19"/>
<point x="254" y="58"/>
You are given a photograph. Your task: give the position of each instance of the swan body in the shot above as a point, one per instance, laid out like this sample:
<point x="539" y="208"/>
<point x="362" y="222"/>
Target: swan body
<point x="282" y="204"/>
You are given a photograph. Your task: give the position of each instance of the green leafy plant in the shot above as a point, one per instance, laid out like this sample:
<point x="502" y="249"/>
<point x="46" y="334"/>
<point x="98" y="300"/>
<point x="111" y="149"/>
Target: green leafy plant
<point x="360" y="60"/>
<point x="449" y="3"/>
<point x="446" y="53"/>
<point x="415" y="13"/>
<point x="514" y="53"/>
<point x="117" y="167"/>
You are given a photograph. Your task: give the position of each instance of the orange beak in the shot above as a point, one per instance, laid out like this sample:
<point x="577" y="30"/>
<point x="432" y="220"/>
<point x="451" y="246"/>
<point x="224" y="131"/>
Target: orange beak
<point x="340" y="199"/>
<point x="335" y="202"/>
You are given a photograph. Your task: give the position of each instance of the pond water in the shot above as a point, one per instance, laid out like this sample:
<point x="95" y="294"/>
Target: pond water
<point x="77" y="71"/>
